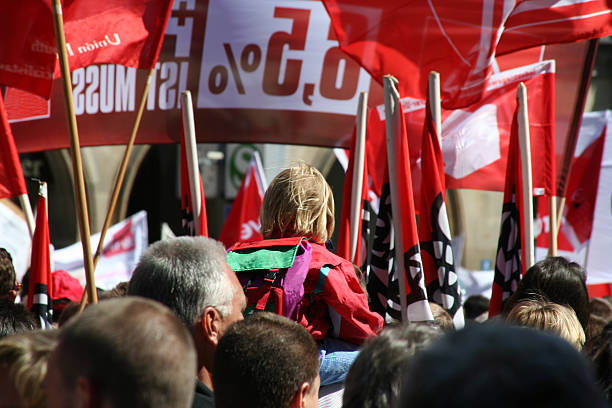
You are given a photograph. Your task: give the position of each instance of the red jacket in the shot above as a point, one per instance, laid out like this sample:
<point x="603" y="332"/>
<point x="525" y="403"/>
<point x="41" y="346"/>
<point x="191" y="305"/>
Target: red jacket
<point x="334" y="303"/>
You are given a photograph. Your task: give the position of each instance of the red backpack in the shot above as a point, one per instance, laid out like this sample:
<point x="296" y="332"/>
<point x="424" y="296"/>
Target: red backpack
<point x="272" y="273"/>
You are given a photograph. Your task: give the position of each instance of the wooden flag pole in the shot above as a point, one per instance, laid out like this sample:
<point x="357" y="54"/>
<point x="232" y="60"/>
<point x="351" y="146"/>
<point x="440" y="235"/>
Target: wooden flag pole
<point x="359" y="157"/>
<point x="192" y="158"/>
<point x="393" y="112"/>
<point x="524" y="142"/>
<point x="120" y="178"/>
<point x="75" y="152"/>
<point x="436" y="107"/>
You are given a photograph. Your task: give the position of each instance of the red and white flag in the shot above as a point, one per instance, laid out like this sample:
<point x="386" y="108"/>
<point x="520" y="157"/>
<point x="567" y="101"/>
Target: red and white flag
<point x="441" y="279"/>
<point x="409" y="39"/>
<point x="194" y="219"/>
<point x="124" y="32"/>
<point x="580" y="197"/>
<point x="242" y="223"/>
<point x="12" y="183"/>
<point x="475" y="139"/>
<point x="509" y="262"/>
<point x="40" y="288"/>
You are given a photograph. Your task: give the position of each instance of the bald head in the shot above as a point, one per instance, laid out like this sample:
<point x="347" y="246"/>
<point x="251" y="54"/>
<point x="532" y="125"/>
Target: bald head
<point x="128" y="352"/>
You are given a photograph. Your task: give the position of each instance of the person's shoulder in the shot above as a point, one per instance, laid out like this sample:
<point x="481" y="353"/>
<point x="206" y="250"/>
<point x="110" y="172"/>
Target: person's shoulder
<point x="323" y="256"/>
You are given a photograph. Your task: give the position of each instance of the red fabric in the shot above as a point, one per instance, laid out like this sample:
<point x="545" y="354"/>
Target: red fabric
<point x="599" y="290"/>
<point x="536" y="22"/>
<point x="494" y="111"/>
<point x="506" y="266"/>
<point x="27" y="49"/>
<point x="66" y="286"/>
<point x="137" y="26"/>
<point x="344" y="231"/>
<point x="40" y="268"/>
<point x="581" y="193"/>
<point x="203" y="216"/>
<point x="242" y="222"/>
<point x="343" y="294"/>
<point x="12" y="183"/>
<point x="290" y="241"/>
<point x="411" y="38"/>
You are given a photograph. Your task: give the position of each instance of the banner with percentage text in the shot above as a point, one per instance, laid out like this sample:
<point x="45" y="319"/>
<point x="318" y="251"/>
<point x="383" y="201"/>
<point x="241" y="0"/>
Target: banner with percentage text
<point x="265" y="71"/>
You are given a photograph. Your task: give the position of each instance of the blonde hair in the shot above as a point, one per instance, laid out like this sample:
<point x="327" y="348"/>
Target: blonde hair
<point x="298" y="202"/>
<point x="24" y="356"/>
<point x="544" y="315"/>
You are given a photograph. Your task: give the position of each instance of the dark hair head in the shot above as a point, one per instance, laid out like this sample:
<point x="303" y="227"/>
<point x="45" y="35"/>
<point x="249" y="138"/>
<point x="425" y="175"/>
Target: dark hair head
<point x="557" y="280"/>
<point x="8" y="279"/>
<point x="15" y="318"/>
<point x="474" y="306"/>
<point x="374" y="380"/>
<point x="134" y="351"/>
<point x="492" y="365"/>
<point x="262" y="362"/>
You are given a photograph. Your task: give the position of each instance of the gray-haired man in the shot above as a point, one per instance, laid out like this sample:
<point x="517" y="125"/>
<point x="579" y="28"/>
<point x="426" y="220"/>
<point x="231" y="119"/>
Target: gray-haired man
<point x="190" y="276"/>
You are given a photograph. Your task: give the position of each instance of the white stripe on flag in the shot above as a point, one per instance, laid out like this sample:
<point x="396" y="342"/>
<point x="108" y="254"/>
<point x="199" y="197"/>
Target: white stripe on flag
<point x="41" y="299"/>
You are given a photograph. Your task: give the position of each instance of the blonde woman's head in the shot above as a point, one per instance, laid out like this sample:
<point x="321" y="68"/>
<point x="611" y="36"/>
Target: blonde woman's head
<point x="298" y="202"/>
<point x="23" y="359"/>
<point x="544" y="315"/>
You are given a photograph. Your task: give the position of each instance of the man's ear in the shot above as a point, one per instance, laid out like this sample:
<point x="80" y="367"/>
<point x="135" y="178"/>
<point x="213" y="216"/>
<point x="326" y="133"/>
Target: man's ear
<point x="298" y="400"/>
<point x="211" y="324"/>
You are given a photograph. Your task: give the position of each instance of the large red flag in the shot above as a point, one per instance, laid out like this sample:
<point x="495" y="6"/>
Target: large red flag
<point x="242" y="223"/>
<point x="475" y="139"/>
<point x="125" y="32"/>
<point x="12" y="183"/>
<point x="410" y="38"/>
<point x="40" y="288"/>
<point x="509" y="262"/>
<point x="434" y="232"/>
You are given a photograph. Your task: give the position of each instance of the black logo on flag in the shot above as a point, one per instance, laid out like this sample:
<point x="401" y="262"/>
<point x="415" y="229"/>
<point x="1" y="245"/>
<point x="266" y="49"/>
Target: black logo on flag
<point x="445" y="289"/>
<point x="414" y="275"/>
<point x="382" y="285"/>
<point x="508" y="264"/>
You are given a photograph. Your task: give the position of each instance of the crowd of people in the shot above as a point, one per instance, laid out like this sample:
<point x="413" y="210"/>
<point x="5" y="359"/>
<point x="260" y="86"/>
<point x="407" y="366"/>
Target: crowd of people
<point x="198" y="326"/>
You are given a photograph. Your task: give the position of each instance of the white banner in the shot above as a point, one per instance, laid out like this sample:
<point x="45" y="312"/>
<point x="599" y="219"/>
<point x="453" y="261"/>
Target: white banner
<point x="123" y="245"/>
<point x="243" y="43"/>
<point x="15" y="237"/>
